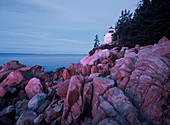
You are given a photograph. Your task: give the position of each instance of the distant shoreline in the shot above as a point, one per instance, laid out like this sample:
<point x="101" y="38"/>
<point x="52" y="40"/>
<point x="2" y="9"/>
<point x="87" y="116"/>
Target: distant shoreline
<point x="41" y="54"/>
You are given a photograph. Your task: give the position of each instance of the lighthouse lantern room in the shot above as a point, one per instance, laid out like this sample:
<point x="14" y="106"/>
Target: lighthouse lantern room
<point x="108" y="36"/>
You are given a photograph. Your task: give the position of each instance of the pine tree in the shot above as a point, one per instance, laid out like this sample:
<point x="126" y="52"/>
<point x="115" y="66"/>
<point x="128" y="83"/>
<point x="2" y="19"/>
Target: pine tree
<point x="150" y="22"/>
<point x="96" y="41"/>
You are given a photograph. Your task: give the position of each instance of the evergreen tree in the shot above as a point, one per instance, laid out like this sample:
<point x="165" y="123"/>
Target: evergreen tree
<point x="150" y="22"/>
<point x="96" y="41"/>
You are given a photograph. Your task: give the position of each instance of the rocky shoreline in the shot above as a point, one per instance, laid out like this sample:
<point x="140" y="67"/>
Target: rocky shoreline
<point x="126" y="87"/>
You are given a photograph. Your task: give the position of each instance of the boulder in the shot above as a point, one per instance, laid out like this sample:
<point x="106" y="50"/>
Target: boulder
<point x="94" y="69"/>
<point x="66" y="74"/>
<point x="4" y="102"/>
<point x="58" y="73"/>
<point x="13" y="65"/>
<point x="89" y="60"/>
<point x="7" y="92"/>
<point x="4" y="74"/>
<point x="148" y="86"/>
<point x="6" y="121"/>
<point x="26" y="118"/>
<point x="8" y="112"/>
<point x="122" y="71"/>
<point x="77" y="67"/>
<point x="160" y="49"/>
<point x="22" y="105"/>
<point x="37" y="101"/>
<point x="100" y="86"/>
<point x="73" y="106"/>
<point x="107" y="121"/>
<point x="33" y="87"/>
<point x="43" y="106"/>
<point x="54" y="113"/>
<point x="2" y="91"/>
<point x="122" y="105"/>
<point x="86" y="70"/>
<point x="57" y="121"/>
<point x="62" y="88"/>
<point x="39" y="119"/>
<point x="93" y="75"/>
<point x="87" y="98"/>
<point x="16" y="78"/>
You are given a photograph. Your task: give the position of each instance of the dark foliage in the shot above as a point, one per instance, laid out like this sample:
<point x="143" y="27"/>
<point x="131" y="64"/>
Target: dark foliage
<point x="106" y="46"/>
<point x="149" y="23"/>
<point x="96" y="41"/>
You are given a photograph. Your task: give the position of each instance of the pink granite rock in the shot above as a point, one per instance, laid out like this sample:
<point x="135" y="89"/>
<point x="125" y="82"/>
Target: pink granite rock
<point x="62" y="88"/>
<point x="86" y="70"/>
<point x="33" y="87"/>
<point x="94" y="69"/>
<point x="73" y="106"/>
<point x="16" y="78"/>
<point x="160" y="49"/>
<point x="66" y="74"/>
<point x="77" y="67"/>
<point x="58" y="73"/>
<point x="13" y="65"/>
<point x="147" y="87"/>
<point x="89" y="60"/>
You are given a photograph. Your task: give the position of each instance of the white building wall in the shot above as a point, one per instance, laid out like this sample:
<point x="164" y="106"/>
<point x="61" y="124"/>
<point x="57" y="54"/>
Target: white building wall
<point x="108" y="38"/>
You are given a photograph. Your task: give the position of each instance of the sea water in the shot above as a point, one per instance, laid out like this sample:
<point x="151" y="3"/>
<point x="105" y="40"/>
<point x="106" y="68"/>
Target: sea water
<point x="50" y="62"/>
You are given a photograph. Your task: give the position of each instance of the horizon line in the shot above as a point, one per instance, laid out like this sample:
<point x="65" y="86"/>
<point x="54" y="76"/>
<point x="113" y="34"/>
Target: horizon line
<point x="41" y="54"/>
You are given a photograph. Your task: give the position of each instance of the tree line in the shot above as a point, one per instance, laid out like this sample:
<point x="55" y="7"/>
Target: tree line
<point x="149" y="23"/>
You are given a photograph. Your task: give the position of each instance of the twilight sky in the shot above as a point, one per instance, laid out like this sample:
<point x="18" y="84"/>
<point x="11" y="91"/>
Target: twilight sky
<point x="56" y="26"/>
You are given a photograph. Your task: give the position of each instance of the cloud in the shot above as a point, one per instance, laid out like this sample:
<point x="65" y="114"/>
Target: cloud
<point x="48" y="5"/>
<point x="40" y="36"/>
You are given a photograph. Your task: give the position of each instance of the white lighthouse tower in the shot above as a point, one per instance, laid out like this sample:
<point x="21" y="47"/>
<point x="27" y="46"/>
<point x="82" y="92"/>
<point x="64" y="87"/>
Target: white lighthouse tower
<point x="108" y="36"/>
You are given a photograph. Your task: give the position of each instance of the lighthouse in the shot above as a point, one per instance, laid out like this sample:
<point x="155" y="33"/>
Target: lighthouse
<point x="108" y="36"/>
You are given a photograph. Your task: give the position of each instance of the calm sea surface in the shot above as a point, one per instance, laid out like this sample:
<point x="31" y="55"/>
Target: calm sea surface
<point x="50" y="62"/>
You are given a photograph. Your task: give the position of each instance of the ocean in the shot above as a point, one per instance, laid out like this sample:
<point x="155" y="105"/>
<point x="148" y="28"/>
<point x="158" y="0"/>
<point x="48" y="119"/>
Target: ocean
<point x="50" y="62"/>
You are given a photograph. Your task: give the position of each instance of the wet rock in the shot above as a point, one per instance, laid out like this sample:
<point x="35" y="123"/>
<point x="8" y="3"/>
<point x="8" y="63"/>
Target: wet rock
<point x="37" y="101"/>
<point x="26" y="118"/>
<point x="33" y="87"/>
